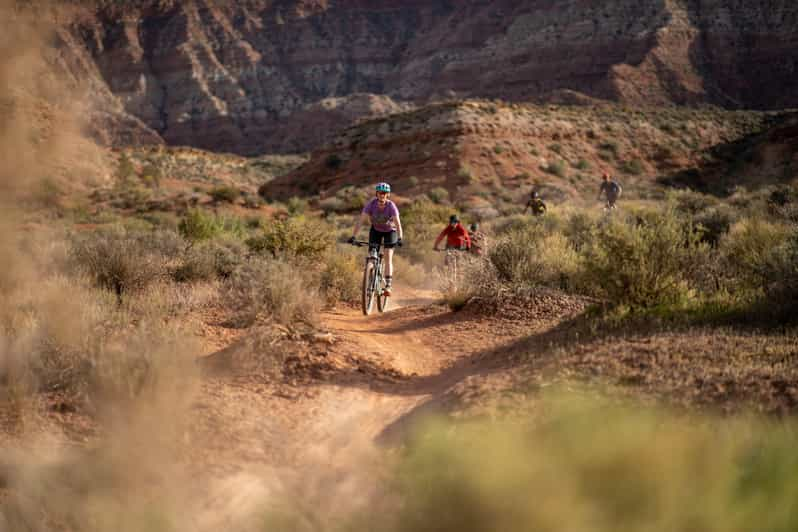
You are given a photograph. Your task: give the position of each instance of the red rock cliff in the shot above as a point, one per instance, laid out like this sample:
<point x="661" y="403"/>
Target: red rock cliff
<point x="251" y="76"/>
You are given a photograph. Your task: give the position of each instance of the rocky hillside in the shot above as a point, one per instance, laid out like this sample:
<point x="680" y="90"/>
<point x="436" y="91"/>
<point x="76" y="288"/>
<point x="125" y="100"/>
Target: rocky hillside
<point x="488" y="148"/>
<point x="252" y="76"/>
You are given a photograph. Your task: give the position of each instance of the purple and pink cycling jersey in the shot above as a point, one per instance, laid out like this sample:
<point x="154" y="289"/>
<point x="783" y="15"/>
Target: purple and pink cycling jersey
<point x="382" y="219"/>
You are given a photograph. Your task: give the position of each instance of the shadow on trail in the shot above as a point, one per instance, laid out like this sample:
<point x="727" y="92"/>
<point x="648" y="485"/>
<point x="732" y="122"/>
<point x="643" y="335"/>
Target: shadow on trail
<point x="533" y="352"/>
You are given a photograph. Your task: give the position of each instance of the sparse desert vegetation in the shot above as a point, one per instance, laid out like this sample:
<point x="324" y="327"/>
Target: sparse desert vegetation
<point x="181" y="346"/>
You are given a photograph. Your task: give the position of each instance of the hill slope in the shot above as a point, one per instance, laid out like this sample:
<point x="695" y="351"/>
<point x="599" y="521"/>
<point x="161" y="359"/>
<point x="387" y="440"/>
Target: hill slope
<point x="479" y="147"/>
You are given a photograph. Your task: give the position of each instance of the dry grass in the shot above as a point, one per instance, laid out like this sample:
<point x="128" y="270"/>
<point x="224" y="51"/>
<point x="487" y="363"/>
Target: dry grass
<point x="271" y="290"/>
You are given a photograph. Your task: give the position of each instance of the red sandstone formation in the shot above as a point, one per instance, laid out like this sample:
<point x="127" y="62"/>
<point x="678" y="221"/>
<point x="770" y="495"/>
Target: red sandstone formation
<point x="248" y="76"/>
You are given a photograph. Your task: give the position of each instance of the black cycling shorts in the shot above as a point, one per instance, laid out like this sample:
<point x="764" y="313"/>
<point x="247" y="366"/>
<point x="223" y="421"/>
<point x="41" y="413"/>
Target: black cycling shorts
<point x="387" y="240"/>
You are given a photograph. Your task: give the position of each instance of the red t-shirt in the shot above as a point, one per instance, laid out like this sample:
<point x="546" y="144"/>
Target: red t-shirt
<point x="456" y="236"/>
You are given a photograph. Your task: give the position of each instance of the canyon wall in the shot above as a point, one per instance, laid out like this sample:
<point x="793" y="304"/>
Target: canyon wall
<point x="260" y="76"/>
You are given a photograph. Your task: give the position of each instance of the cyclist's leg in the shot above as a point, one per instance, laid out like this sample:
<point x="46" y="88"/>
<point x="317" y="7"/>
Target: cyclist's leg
<point x="390" y="242"/>
<point x="375" y="238"/>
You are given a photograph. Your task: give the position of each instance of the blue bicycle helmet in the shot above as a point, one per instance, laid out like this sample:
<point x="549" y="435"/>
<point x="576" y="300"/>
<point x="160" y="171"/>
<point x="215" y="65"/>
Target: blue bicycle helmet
<point x="383" y="187"/>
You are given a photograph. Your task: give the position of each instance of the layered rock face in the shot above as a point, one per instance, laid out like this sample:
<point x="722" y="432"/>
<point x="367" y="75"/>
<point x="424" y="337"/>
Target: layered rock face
<point x="251" y="76"/>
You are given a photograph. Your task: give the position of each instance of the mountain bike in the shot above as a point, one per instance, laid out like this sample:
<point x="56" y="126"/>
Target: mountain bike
<point x="373" y="279"/>
<point x="450" y="263"/>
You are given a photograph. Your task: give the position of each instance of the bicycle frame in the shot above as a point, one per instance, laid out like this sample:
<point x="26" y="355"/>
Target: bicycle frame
<point x="373" y="279"/>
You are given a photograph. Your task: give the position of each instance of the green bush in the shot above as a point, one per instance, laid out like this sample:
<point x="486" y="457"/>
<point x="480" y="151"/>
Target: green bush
<point x="609" y="150"/>
<point x="752" y="251"/>
<point x="199" y="225"/>
<point x="529" y="255"/>
<point x="783" y="290"/>
<point x="347" y="199"/>
<point x="691" y="202"/>
<point x="341" y="275"/>
<point x="633" y="167"/>
<point x="645" y="263"/>
<point x="224" y="194"/>
<point x="579" y="229"/>
<point x="588" y="465"/>
<point x="438" y="195"/>
<point x="556" y="168"/>
<point x="119" y="260"/>
<point x="582" y="164"/>
<point x="209" y="260"/>
<point x="296" y="206"/>
<point x="292" y="238"/>
<point x="713" y="224"/>
<point x="270" y="290"/>
<point x="125" y="171"/>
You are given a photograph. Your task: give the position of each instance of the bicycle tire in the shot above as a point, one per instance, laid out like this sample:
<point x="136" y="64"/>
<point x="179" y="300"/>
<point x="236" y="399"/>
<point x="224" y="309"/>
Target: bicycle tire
<point x="382" y="299"/>
<point x="367" y="295"/>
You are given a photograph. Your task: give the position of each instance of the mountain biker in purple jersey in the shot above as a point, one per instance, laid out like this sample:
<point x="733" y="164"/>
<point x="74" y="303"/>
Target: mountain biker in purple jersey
<point x="386" y="227"/>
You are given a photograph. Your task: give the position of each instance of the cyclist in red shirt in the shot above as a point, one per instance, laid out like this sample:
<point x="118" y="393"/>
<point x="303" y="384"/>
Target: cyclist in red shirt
<point x="456" y="235"/>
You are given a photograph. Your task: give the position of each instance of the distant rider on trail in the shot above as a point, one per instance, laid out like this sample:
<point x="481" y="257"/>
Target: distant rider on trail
<point x="479" y="242"/>
<point x="386" y="228"/>
<point x="536" y="204"/>
<point x="456" y="235"/>
<point x="611" y="190"/>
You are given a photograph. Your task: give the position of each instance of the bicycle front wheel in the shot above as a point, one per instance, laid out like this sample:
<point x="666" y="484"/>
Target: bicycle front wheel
<point x="382" y="298"/>
<point x="367" y="296"/>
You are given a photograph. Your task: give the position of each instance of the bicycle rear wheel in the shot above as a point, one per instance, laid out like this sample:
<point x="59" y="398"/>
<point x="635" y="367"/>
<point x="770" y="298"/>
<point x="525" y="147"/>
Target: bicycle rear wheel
<point x="367" y="296"/>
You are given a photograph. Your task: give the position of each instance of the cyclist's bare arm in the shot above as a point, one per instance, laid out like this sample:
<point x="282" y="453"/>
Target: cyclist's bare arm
<point x="398" y="223"/>
<point x="362" y="219"/>
<point x="440" y="237"/>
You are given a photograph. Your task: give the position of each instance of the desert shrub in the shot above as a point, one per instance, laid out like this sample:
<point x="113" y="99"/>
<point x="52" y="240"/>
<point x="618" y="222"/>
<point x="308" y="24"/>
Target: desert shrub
<point x="270" y="290"/>
<point x="119" y="260"/>
<point x="582" y="164"/>
<point x="633" y="167"/>
<point x="782" y="202"/>
<point x="438" y="195"/>
<point x="292" y="238"/>
<point x="579" y="229"/>
<point x="252" y="201"/>
<point x="224" y="194"/>
<point x="465" y="172"/>
<point x="713" y="224"/>
<point x="529" y="255"/>
<point x="296" y="206"/>
<point x="593" y="466"/>
<point x="751" y="251"/>
<point x="691" y="202"/>
<point x="208" y="260"/>
<point x="341" y="275"/>
<point x="609" y="150"/>
<point x="125" y="171"/>
<point x="556" y="168"/>
<point x="478" y="278"/>
<point x="346" y="199"/>
<point x="644" y="263"/>
<point x="783" y="273"/>
<point x="151" y="175"/>
<point x="198" y="225"/>
<point x="333" y="161"/>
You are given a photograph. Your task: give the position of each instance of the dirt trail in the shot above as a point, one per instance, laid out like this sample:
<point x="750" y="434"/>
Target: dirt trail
<point x="316" y="438"/>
